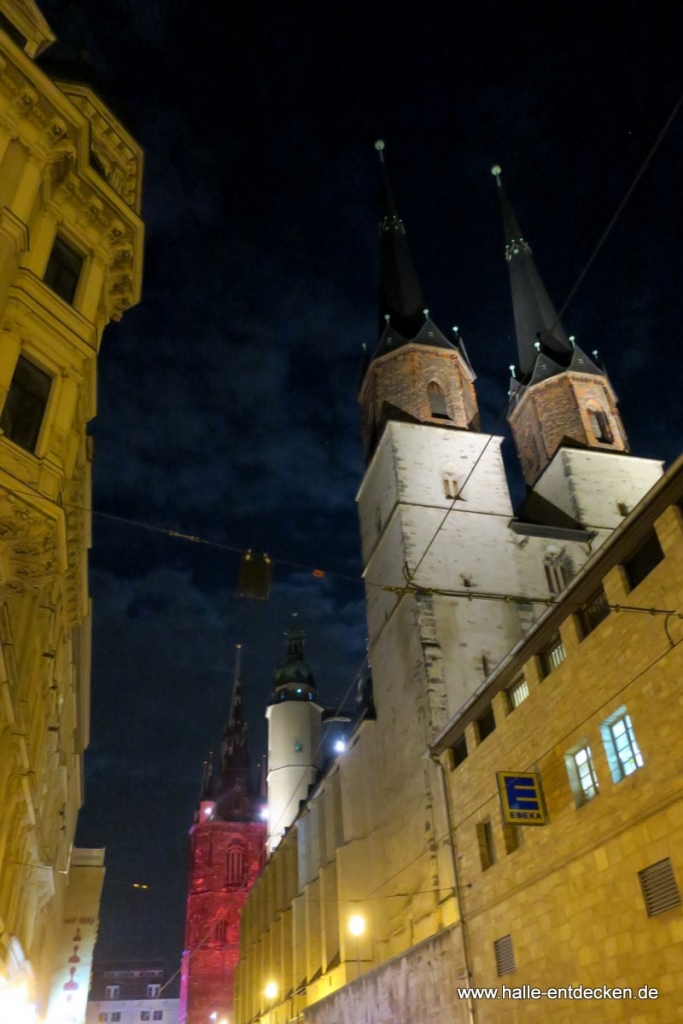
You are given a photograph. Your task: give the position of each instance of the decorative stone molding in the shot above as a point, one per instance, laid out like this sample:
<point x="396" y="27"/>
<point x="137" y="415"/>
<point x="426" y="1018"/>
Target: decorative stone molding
<point x="14" y="229"/>
<point x="29" y="545"/>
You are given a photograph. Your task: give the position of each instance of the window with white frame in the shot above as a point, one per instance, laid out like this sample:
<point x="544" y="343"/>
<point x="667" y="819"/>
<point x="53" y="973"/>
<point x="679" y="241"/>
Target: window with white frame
<point x="581" y="771"/>
<point x="153" y="991"/>
<point x="112" y="992"/>
<point x="559" y="568"/>
<point x="623" y="753"/>
<point x="518" y="693"/>
<point x="553" y="655"/>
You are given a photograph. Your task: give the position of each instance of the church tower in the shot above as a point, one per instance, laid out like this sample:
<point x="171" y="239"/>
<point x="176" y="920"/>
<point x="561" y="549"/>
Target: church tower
<point x="227" y="845"/>
<point x="563" y="411"/>
<point x="294" y="738"/>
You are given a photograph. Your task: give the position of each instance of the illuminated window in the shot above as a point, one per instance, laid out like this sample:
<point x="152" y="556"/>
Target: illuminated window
<point x="599" y="422"/>
<point x="450" y="481"/>
<point x="153" y="991"/>
<point x="63" y="270"/>
<point x="623" y="753"/>
<point x="581" y="772"/>
<point x="437" y="401"/>
<point x="103" y="1017"/>
<point x="559" y="569"/>
<point x="518" y="693"/>
<point x="298" y="746"/>
<point x="644" y="559"/>
<point x="112" y="992"/>
<point x="487" y="851"/>
<point x="220" y="931"/>
<point x="24" y="409"/>
<point x="553" y="655"/>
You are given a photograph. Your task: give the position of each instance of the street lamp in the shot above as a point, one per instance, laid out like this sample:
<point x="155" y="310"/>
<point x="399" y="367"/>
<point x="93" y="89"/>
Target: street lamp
<point x="270" y="991"/>
<point x="357" y="927"/>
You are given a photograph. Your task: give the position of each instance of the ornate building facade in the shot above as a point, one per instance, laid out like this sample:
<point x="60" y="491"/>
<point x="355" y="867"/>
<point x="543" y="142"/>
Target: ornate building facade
<point x="469" y="603"/>
<point x="71" y="246"/>
<point x="227" y="849"/>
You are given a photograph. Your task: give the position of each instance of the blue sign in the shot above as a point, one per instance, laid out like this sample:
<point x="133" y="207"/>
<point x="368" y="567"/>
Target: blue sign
<point x="521" y="798"/>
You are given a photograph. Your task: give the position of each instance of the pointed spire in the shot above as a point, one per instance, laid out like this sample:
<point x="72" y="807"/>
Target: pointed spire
<point x="535" y="316"/>
<point x="401" y="296"/>
<point x="234" y="797"/>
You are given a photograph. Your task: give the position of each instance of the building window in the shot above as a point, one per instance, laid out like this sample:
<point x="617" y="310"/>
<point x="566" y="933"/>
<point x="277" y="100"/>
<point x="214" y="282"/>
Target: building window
<point x="116" y="1016"/>
<point x="103" y="1017"/>
<point x="437" y="401"/>
<point x="158" y="1015"/>
<point x="505" y="955"/>
<point x="553" y="655"/>
<point x="220" y="931"/>
<point x="518" y="693"/>
<point x="487" y="851"/>
<point x="559" y="569"/>
<point x="594" y="611"/>
<point x="512" y="837"/>
<point x="458" y="752"/>
<point x="25" y="405"/>
<point x="153" y="991"/>
<point x="599" y="422"/>
<point x="486" y="723"/>
<point x="450" y="481"/>
<point x="642" y="562"/>
<point x="660" y="890"/>
<point x="581" y="772"/>
<point x="63" y="270"/>
<point x="112" y="992"/>
<point x="145" y="1015"/>
<point x="623" y="753"/>
<point x="236" y="865"/>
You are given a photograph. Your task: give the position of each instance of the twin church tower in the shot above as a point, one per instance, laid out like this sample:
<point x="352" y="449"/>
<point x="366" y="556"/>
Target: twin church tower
<point x="454" y="578"/>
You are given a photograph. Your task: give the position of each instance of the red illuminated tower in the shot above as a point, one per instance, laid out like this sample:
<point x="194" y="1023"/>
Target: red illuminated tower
<point x="227" y="847"/>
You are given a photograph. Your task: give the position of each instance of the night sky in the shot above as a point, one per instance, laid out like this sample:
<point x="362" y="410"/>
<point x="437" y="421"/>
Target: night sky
<point x="227" y="403"/>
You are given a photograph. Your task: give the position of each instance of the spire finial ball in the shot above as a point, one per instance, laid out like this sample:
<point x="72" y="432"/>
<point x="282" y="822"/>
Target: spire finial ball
<point x="379" y="145"/>
<point x="496" y="170"/>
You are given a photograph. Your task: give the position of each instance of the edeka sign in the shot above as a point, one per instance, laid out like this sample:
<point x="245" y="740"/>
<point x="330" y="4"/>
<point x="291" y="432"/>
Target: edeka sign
<point x="521" y="798"/>
<point x="71" y="977"/>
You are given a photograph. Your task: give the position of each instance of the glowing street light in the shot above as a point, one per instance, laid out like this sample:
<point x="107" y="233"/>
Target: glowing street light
<point x="270" y="991"/>
<point x="357" y="924"/>
<point x="357" y="927"/>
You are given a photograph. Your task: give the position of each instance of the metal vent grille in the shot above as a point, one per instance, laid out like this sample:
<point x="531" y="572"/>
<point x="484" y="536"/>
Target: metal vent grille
<point x="505" y="955"/>
<point x="660" y="891"/>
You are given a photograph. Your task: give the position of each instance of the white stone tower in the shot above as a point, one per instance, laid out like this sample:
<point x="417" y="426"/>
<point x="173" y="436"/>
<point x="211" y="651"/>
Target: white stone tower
<point x="294" y="738"/>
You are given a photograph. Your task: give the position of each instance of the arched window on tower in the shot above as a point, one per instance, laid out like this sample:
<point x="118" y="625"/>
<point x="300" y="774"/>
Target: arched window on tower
<point x="450" y="481"/>
<point x="559" y="569"/>
<point x="599" y="422"/>
<point x="437" y="401"/>
<point x="236" y="867"/>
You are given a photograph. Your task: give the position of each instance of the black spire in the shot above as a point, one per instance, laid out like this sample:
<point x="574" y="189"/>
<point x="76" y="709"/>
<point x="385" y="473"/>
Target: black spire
<point x="536" y="323"/>
<point x="233" y="799"/>
<point x="401" y="297"/>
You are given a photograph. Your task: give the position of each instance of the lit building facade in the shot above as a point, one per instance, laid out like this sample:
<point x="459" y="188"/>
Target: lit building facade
<point x="71" y="244"/>
<point x="132" y="992"/>
<point x="227" y="850"/>
<point x="457" y="584"/>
